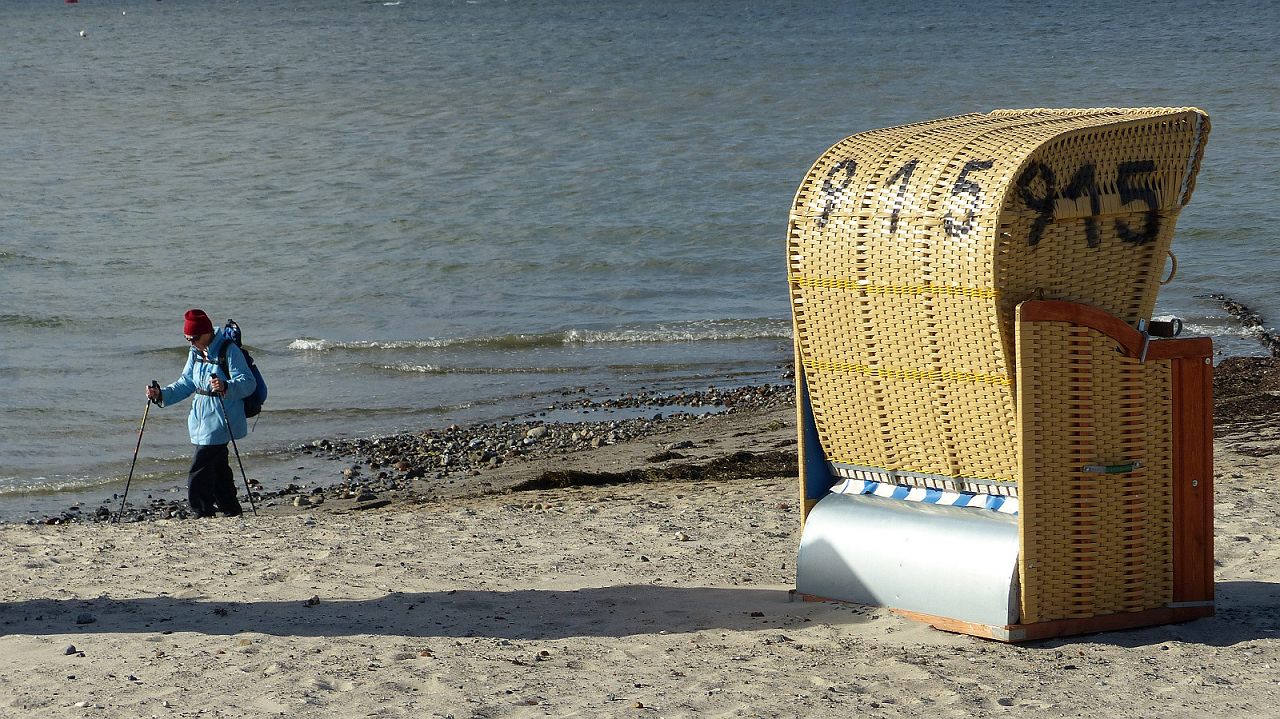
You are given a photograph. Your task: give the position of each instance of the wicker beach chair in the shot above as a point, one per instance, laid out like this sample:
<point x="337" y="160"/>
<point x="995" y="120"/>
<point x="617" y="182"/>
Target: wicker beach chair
<point x="1013" y="453"/>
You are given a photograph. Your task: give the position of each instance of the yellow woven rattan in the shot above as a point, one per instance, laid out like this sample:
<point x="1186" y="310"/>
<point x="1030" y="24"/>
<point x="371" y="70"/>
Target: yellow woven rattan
<point x="1095" y="518"/>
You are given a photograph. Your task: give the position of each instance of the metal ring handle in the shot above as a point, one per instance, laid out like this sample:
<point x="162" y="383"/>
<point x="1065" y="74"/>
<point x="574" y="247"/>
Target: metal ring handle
<point x="1173" y="271"/>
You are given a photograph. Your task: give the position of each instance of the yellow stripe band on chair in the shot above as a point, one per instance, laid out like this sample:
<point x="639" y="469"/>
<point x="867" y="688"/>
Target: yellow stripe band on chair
<point x="836" y="283"/>
<point x="910" y="374"/>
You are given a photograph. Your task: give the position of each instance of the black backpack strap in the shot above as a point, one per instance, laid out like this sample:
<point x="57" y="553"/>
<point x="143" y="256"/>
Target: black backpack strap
<point x="222" y="357"/>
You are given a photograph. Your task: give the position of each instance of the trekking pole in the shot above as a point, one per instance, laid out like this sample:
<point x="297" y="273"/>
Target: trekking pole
<point x="135" y="451"/>
<point x="247" y="488"/>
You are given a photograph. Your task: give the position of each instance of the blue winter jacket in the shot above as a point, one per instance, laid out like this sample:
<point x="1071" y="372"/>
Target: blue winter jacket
<point x="206" y="423"/>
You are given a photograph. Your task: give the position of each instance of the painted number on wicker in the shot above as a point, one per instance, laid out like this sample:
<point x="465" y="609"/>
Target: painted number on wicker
<point x="833" y="192"/>
<point x="835" y="188"/>
<point x="966" y="186"/>
<point x="1039" y="189"/>
<point x="902" y="176"/>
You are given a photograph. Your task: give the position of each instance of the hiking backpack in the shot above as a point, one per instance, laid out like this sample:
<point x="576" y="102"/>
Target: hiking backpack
<point x="252" y="403"/>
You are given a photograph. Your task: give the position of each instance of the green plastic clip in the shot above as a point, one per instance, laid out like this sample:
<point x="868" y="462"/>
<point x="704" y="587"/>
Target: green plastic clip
<point x="1112" y="468"/>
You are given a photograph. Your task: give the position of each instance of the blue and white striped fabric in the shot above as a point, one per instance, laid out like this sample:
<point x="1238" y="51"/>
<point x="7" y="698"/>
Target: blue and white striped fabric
<point x="996" y="503"/>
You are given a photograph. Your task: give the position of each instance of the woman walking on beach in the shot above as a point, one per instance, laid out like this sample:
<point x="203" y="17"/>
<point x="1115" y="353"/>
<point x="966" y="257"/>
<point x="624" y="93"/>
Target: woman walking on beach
<point x="217" y="373"/>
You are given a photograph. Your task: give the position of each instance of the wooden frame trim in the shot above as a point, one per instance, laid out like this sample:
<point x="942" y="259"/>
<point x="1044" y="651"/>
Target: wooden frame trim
<point x="1066" y="627"/>
<point x="1132" y="341"/>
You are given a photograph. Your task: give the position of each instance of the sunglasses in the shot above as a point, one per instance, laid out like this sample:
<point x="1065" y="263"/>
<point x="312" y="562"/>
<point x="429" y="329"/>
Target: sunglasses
<point x="192" y="339"/>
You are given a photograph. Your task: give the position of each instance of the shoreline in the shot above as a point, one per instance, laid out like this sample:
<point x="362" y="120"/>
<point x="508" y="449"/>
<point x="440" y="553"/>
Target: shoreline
<point x="694" y="429"/>
<point x="755" y="423"/>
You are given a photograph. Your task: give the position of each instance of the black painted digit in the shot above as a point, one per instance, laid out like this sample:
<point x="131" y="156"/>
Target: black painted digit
<point x="966" y="186"/>
<point x="1042" y="205"/>
<point x="1130" y="191"/>
<point x="833" y="193"/>
<point x="1085" y="182"/>
<point x="903" y="175"/>
<point x="1126" y="172"/>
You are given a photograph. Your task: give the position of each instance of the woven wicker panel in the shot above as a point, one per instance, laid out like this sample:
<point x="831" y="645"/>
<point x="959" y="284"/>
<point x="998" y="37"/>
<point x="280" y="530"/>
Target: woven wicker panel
<point x="910" y="246"/>
<point x="1093" y="543"/>
<point x="1090" y="215"/>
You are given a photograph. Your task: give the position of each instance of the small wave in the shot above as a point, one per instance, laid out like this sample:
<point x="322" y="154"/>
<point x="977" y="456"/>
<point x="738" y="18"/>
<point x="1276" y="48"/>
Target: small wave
<point x="716" y="331"/>
<point x="413" y="368"/>
<point x="307" y="344"/>
<point x="10" y="486"/>
<point x="1190" y="329"/>
<point x="693" y="331"/>
<point x="436" y="369"/>
<point x="718" y="368"/>
<point x="33" y="322"/>
<point x="16" y="260"/>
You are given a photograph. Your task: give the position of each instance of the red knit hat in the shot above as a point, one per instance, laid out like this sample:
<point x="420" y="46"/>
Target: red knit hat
<point x="197" y="323"/>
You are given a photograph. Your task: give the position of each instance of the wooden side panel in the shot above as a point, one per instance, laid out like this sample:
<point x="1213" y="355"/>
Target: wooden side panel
<point x="1162" y="536"/>
<point x="1193" y="480"/>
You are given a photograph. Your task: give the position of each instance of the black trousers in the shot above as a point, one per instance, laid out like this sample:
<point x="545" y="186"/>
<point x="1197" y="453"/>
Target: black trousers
<point x="210" y="483"/>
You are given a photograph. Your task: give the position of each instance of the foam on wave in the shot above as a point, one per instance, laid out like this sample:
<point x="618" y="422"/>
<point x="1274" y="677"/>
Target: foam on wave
<point x="693" y="331"/>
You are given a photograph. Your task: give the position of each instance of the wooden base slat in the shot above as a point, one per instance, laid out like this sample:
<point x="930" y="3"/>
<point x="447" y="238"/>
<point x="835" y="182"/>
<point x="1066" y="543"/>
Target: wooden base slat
<point x="1058" y="628"/>
<point x="1067" y="627"/>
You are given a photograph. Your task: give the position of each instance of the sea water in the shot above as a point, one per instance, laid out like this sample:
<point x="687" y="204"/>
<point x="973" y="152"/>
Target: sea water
<point x="429" y="212"/>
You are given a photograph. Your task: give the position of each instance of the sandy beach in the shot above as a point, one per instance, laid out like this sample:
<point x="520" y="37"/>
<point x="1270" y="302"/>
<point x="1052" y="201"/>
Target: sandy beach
<point x="661" y="598"/>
